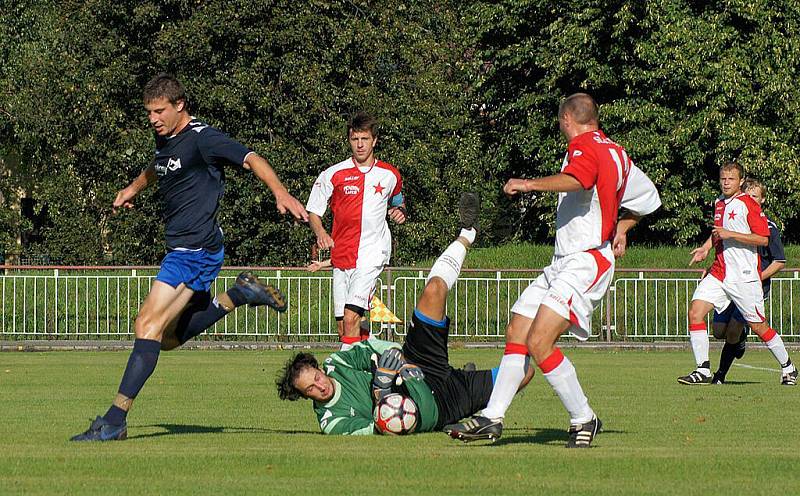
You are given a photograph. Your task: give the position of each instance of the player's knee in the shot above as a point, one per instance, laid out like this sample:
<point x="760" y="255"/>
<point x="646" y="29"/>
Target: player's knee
<point x="351" y="323"/>
<point x="540" y="346"/>
<point x="147" y="327"/>
<point x="514" y="334"/>
<point x="696" y="314"/>
<point x="435" y="288"/>
<point x="719" y="330"/>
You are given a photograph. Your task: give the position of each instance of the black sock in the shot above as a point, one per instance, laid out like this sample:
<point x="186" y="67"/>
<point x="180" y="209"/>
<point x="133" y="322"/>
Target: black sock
<point x="726" y="358"/>
<point x="236" y="295"/>
<point x="141" y="364"/>
<point x="199" y="316"/>
<point x="115" y="415"/>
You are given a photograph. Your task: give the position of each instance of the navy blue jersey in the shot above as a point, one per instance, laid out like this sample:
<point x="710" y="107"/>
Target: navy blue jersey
<point x="191" y="180"/>
<point x="773" y="252"/>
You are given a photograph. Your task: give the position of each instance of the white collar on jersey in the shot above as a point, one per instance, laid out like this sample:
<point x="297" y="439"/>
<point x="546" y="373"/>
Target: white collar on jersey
<point x="374" y="161"/>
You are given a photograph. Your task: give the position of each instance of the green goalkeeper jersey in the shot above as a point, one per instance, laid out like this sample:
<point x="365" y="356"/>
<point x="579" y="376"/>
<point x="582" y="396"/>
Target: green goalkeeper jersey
<point x="350" y="409"/>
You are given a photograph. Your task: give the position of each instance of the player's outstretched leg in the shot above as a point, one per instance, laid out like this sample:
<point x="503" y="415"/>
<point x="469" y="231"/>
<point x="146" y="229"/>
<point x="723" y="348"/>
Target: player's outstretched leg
<point x="204" y="312"/>
<point x="734" y="347"/>
<point x="775" y="344"/>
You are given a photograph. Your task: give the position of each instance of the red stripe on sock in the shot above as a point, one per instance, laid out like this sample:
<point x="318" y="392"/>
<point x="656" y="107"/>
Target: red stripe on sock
<point x="767" y="337"/>
<point x="551" y="362"/>
<point x="350" y="339"/>
<point x="516" y="349"/>
<point x="698" y="327"/>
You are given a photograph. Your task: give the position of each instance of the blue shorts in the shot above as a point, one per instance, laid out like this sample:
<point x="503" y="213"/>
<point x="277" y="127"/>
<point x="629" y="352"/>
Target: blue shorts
<point x="729" y="313"/>
<point x="196" y="269"/>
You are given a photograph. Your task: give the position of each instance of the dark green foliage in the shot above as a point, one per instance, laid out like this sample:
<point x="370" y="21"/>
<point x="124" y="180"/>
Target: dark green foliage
<point x="466" y="93"/>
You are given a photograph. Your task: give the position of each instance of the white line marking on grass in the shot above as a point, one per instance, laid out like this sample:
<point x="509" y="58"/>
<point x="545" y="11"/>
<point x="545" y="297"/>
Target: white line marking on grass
<point x="756" y="368"/>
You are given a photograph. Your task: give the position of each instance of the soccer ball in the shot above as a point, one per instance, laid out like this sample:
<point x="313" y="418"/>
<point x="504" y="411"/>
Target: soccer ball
<point x="396" y="414"/>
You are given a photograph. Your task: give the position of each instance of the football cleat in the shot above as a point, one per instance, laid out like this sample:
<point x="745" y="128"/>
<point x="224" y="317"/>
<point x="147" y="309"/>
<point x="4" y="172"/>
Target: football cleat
<point x="789" y="379"/>
<point x="717" y="379"/>
<point x="696" y="378"/>
<point x="581" y="435"/>
<point x="469" y="208"/>
<point x="259" y="293"/>
<point x="100" y="430"/>
<point x="475" y="428"/>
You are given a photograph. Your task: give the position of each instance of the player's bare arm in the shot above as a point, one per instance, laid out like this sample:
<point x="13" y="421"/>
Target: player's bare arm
<point x="265" y="173"/>
<point x="142" y="181"/>
<point x="748" y="239"/>
<point x="562" y="183"/>
<point x="625" y="224"/>
<point x="324" y="240"/>
<point x="772" y="269"/>
<point x="318" y="265"/>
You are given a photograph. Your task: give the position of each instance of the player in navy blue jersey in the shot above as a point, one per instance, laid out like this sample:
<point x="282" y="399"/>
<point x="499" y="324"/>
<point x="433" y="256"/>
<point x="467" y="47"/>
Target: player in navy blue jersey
<point x="189" y="163"/>
<point x="730" y="325"/>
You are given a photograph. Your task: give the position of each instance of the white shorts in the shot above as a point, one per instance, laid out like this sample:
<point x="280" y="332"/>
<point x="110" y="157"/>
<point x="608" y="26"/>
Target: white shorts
<point x="354" y="287"/>
<point x="572" y="286"/>
<point x="747" y="296"/>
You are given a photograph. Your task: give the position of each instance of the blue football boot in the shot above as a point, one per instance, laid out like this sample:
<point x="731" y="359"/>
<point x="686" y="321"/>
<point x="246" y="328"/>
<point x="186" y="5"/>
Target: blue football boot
<point x="258" y="293"/>
<point x="100" y="430"/>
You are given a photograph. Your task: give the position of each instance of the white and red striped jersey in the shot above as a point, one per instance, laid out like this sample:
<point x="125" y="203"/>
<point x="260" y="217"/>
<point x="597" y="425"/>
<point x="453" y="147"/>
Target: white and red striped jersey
<point x="359" y="200"/>
<point x="735" y="261"/>
<point x="587" y="218"/>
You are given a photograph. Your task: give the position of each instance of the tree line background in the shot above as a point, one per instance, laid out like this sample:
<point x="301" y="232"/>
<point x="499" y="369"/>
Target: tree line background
<point x="466" y="92"/>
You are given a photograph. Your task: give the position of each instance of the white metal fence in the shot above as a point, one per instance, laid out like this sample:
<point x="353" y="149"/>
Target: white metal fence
<point x="102" y="303"/>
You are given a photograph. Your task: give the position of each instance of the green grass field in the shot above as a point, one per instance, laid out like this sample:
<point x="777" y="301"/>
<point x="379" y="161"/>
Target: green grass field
<point x="209" y="422"/>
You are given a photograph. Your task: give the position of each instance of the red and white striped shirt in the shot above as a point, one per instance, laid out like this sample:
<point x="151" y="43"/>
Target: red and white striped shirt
<point x="359" y="200"/>
<point x="586" y="219"/>
<point x="735" y="261"/>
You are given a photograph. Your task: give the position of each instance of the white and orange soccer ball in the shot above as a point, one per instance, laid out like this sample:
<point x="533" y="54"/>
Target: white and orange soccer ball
<point x="396" y="414"/>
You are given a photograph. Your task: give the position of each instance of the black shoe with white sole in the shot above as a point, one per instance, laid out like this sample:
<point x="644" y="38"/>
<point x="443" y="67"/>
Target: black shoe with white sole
<point x="475" y="428"/>
<point x="696" y="378"/>
<point x="582" y="435"/>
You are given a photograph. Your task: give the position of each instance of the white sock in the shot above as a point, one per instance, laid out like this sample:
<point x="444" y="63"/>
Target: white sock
<point x="700" y="349"/>
<point x="778" y="349"/>
<point x="564" y="381"/>
<point x="468" y="234"/>
<point x="448" y="265"/>
<point x="509" y="377"/>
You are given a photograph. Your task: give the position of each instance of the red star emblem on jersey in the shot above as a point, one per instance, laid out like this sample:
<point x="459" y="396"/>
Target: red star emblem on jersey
<point x="379" y="189"/>
<point x="731" y="215"/>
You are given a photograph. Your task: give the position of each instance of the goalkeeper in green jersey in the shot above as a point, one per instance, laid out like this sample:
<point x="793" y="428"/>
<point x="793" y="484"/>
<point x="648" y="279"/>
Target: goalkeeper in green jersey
<point x="348" y="384"/>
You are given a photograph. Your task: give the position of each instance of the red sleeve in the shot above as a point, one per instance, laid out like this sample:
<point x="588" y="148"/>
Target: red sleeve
<point x="581" y="166"/>
<point x="756" y="218"/>
<point x="398" y="187"/>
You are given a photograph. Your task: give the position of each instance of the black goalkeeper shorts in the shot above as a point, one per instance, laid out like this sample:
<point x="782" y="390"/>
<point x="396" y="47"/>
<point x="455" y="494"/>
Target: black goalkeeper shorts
<point x="458" y="393"/>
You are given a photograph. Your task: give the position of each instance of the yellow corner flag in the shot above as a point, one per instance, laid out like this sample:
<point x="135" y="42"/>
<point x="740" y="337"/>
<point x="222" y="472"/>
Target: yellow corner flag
<point x="381" y="313"/>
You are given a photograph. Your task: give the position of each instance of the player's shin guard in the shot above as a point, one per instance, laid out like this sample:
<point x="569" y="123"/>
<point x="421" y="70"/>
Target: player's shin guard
<point x="775" y="344"/>
<point x="511" y="374"/>
<point x="561" y="375"/>
<point x="698" y="334"/>
<point x="448" y="265"/>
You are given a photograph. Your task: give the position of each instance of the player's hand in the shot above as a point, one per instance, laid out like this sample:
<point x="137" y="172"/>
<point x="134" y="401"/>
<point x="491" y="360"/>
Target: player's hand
<point x="389" y="365"/>
<point x="515" y="186"/>
<point x="619" y="244"/>
<point x="721" y="233"/>
<point x="698" y="255"/>
<point x="315" y="266"/>
<point x="410" y="371"/>
<point x="288" y="203"/>
<point x="397" y="214"/>
<point x="123" y="200"/>
<point x="324" y="241"/>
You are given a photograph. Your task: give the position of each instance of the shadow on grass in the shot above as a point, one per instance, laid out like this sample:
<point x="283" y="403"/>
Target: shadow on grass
<point x="555" y="437"/>
<point x="179" y="429"/>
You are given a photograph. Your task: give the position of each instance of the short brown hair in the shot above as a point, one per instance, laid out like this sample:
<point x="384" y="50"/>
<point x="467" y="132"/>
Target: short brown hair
<point x="291" y="370"/>
<point x="581" y="107"/>
<point x="164" y="86"/>
<point x="362" y="121"/>
<point x="753" y="184"/>
<point x="733" y="166"/>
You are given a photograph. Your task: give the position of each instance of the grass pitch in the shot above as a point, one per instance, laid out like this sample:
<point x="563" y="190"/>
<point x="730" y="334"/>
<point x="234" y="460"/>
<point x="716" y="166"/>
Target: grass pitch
<point x="209" y="422"/>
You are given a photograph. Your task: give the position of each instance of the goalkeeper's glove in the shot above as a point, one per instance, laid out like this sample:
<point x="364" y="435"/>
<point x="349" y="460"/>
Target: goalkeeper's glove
<point x="389" y="365"/>
<point x="411" y="371"/>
